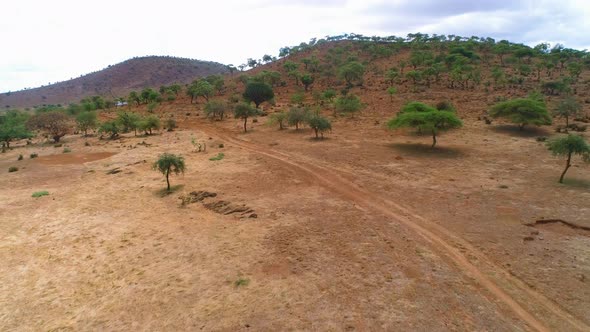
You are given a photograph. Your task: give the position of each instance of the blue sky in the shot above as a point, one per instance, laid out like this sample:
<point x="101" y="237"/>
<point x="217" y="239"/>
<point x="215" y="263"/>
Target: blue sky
<point x="48" y="41"/>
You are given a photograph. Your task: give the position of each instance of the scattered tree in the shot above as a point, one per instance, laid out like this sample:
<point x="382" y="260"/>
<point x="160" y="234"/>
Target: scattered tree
<point x="297" y="116"/>
<point x="149" y="123"/>
<point x="110" y="127"/>
<point x="278" y="117"/>
<point x="567" y="146"/>
<point x="169" y="163"/>
<point x="55" y="124"/>
<point x="425" y="119"/>
<point x="391" y="91"/>
<point x="215" y="109"/>
<point x="319" y="124"/>
<point x="567" y="108"/>
<point x="522" y="111"/>
<point x="258" y="92"/>
<point x="348" y="103"/>
<point x="87" y="120"/>
<point x="245" y="111"/>
<point x="351" y="72"/>
<point x="12" y="127"/>
<point x="307" y="81"/>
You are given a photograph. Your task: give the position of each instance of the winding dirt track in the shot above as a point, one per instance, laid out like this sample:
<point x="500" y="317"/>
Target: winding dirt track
<point x="539" y="312"/>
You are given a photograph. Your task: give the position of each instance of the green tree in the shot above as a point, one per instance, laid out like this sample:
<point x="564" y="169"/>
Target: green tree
<point x="87" y="120"/>
<point x="319" y="124"/>
<point x="169" y="163"/>
<point x="522" y="111"/>
<point x="134" y="98"/>
<point x="258" y="92"/>
<point x="351" y="72"/>
<point x="392" y="75"/>
<point x="149" y="123"/>
<point x="12" y="127"/>
<point x="55" y="124"/>
<point x="279" y="118"/>
<point x="297" y="116"/>
<point x="128" y="121"/>
<point x="109" y="127"/>
<point x="215" y="109"/>
<point x="307" y="81"/>
<point x="298" y="98"/>
<point x="203" y="89"/>
<point x="567" y="108"/>
<point x="425" y="119"/>
<point x="329" y="95"/>
<point x="348" y="103"/>
<point x="567" y="146"/>
<point x="245" y="111"/>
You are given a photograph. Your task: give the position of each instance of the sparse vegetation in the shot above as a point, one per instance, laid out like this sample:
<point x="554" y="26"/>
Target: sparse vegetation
<point x="245" y="111"/>
<point x="297" y="116"/>
<point x="40" y="193"/>
<point x="319" y="124"/>
<point x="87" y="120"/>
<point x="218" y="157"/>
<point x="12" y="169"/>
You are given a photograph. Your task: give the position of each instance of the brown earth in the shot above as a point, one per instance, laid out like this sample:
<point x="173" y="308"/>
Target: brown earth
<point x="365" y="230"/>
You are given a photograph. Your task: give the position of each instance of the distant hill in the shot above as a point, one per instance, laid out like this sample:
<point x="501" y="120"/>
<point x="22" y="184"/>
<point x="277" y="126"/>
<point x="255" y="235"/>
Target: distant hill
<point x="115" y="81"/>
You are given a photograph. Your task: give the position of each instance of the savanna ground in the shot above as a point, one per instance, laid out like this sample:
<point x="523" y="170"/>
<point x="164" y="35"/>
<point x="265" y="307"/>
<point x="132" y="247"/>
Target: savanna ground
<point x="365" y="230"/>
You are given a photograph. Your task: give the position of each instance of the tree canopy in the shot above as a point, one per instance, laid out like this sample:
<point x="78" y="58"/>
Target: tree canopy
<point x="567" y="146"/>
<point x="169" y="163"/>
<point x="425" y="118"/>
<point x="522" y="111"/>
<point x="258" y="92"/>
<point x="245" y="111"/>
<point x="12" y="127"/>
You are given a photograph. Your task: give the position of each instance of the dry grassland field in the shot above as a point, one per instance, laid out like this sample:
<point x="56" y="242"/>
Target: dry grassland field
<point x="365" y="230"/>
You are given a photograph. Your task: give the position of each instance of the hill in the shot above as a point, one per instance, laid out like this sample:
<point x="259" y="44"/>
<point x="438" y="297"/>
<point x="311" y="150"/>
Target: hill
<point x="115" y="81"/>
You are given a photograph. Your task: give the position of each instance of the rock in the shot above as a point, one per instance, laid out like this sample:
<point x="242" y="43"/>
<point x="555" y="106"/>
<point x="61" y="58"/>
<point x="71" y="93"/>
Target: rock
<point x="253" y="215"/>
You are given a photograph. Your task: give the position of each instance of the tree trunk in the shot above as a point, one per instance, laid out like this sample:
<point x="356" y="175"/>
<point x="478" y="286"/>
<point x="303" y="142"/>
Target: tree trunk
<point x="567" y="166"/>
<point x="566" y="122"/>
<point x="433" y="139"/>
<point x="521" y="126"/>
<point x="245" y="128"/>
<point x="167" y="179"/>
<point x="56" y="138"/>
<point x="316" y="133"/>
<point x="8" y="144"/>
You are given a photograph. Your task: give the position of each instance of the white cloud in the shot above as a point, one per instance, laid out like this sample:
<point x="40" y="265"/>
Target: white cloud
<point x="48" y="41"/>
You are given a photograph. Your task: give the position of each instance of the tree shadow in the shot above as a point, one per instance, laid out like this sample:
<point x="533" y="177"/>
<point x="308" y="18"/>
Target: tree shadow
<point x="528" y="131"/>
<point x="163" y="192"/>
<point x="424" y="150"/>
<point x="576" y="183"/>
<point x="318" y="139"/>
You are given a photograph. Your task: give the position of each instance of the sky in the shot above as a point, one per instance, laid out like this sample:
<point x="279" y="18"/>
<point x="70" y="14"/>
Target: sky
<point x="49" y="41"/>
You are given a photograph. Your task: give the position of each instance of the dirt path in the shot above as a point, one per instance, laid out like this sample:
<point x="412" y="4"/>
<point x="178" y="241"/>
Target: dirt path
<point x="539" y="312"/>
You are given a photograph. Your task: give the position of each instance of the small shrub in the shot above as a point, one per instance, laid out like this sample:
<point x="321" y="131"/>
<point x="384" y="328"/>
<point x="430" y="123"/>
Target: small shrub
<point x="12" y="169"/>
<point x="171" y="124"/>
<point x="40" y="193"/>
<point x="58" y="145"/>
<point x="242" y="282"/>
<point x="20" y="157"/>
<point x="86" y="143"/>
<point x="33" y="155"/>
<point x="218" y="157"/>
<point x="67" y="150"/>
<point x="221" y="146"/>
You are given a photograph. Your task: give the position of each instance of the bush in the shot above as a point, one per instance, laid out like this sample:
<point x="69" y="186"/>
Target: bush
<point x="170" y="124"/>
<point x="33" y="155"/>
<point x="218" y="157"/>
<point x="20" y="157"/>
<point x="40" y="193"/>
<point x="12" y="169"/>
<point x="297" y="116"/>
<point x="67" y="150"/>
<point x="319" y="124"/>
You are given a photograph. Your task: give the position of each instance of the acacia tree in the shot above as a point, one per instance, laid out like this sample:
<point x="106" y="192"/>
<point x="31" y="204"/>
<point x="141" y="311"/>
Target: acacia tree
<point x="351" y="72"/>
<point x="203" y="89"/>
<point x="87" y="120"/>
<point x="522" y="111"/>
<point x="12" y="127"/>
<point x="169" y="163"/>
<point x="348" y="104"/>
<point x="297" y="116"/>
<point x="55" y="124"/>
<point x="278" y="117"/>
<point x="425" y="119"/>
<point x="307" y="81"/>
<point x="258" y="92"/>
<point x="319" y="124"/>
<point x="215" y="109"/>
<point x="567" y="146"/>
<point x="110" y="127"/>
<point x="567" y="108"/>
<point x="245" y="111"/>
<point x="128" y="121"/>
